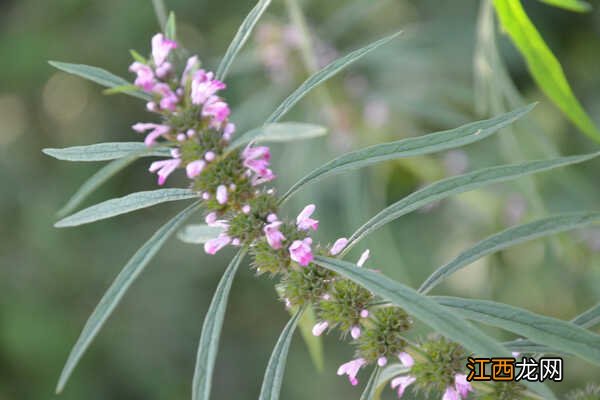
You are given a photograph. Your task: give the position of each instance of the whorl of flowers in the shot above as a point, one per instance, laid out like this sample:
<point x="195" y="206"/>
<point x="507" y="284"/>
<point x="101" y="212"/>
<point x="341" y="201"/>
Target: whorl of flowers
<point x="194" y="124"/>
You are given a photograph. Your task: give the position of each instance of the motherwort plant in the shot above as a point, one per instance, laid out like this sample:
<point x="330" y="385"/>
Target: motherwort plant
<point x="189" y="128"/>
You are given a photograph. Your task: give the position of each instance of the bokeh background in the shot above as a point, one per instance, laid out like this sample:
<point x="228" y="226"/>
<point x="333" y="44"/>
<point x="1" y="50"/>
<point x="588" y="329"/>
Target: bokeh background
<point x="50" y="280"/>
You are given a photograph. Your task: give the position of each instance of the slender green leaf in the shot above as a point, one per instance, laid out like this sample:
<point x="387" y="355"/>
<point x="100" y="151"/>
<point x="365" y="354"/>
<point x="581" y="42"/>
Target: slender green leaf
<point x="561" y="335"/>
<point x="120" y="89"/>
<point x="387" y="374"/>
<point x="125" y="204"/>
<point x="324" y="74"/>
<point x="425" y="309"/>
<point x="95" y="181"/>
<point x="115" y="292"/>
<point x="105" y="151"/>
<point x="271" y="386"/>
<point x="138" y="57"/>
<point x="314" y="344"/>
<point x="588" y="319"/>
<point x="280" y="132"/>
<point x="241" y="37"/>
<point x="371" y="387"/>
<point x="98" y="75"/>
<point x="171" y="27"/>
<point x="459" y="184"/>
<point x="161" y="12"/>
<point x="510" y="237"/>
<point x="411" y="147"/>
<point x="211" y="332"/>
<point x="571" y="5"/>
<point x="198" y="233"/>
<point x="419" y="306"/>
<point x="543" y="65"/>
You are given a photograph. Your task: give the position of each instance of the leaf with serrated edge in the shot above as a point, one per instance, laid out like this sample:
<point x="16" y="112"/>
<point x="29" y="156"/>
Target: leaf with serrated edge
<point x="271" y="386"/>
<point x="279" y="132"/>
<point x="241" y="37"/>
<point x="98" y="75"/>
<point x="411" y="147"/>
<point x="211" y="332"/>
<point x="125" y="204"/>
<point x="510" y="237"/>
<point x="459" y="184"/>
<point x="561" y="335"/>
<point x="115" y="292"/>
<point x="321" y="76"/>
<point x="198" y="233"/>
<point x="105" y="151"/>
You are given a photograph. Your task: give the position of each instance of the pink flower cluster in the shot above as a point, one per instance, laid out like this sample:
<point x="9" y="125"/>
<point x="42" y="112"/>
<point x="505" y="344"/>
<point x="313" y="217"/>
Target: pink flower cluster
<point x="172" y="94"/>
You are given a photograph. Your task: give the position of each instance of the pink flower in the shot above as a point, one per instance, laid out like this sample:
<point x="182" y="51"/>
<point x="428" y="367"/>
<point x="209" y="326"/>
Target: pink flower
<point x="217" y="110"/>
<point x="406" y="359"/>
<point x="304" y="222"/>
<point x="355" y="332"/>
<point x="164" y="69"/>
<point x="363" y="258"/>
<point x="168" y="99"/>
<point x="451" y="394"/>
<point x="301" y="252"/>
<point x="164" y="168"/>
<point x="228" y="131"/>
<point x="266" y="177"/>
<point x="463" y="387"/>
<point x="319" y="328"/>
<point x="351" y="369"/>
<point x="194" y="168"/>
<point x="190" y="66"/>
<point x="364" y="313"/>
<point x="382" y="361"/>
<point x="214" y="245"/>
<point x="204" y="86"/>
<point x="402" y="382"/>
<point x="256" y="159"/>
<point x="222" y="194"/>
<point x="161" y="47"/>
<point x="274" y="236"/>
<point x="338" y="246"/>
<point x="145" y="75"/>
<point x="157" y="131"/>
<point x="212" y="221"/>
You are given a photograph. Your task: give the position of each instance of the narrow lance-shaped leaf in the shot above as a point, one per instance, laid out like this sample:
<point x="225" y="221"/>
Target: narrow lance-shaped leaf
<point x="98" y="75"/>
<point x="419" y="306"/>
<point x="125" y="204"/>
<point x="171" y="27"/>
<point x="411" y="147"/>
<point x="324" y="74"/>
<point x="271" y="386"/>
<point x="561" y="335"/>
<point x="588" y="319"/>
<point x="371" y="387"/>
<point x="198" y="233"/>
<point x="459" y="184"/>
<point x="426" y="310"/>
<point x="161" y="12"/>
<point x="105" y="151"/>
<point x="241" y="37"/>
<point x="115" y="292"/>
<point x="543" y="65"/>
<point x="571" y="5"/>
<point x="280" y="132"/>
<point x="211" y="332"/>
<point x="95" y="181"/>
<point x="510" y="237"/>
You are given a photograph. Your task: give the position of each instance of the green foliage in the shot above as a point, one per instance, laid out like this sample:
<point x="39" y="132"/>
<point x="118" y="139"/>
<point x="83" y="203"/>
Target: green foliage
<point x="211" y="332"/>
<point x="343" y="308"/>
<point x="273" y="378"/>
<point x="98" y="75"/>
<point x="571" y="5"/>
<point x="279" y="132"/>
<point x="241" y="37"/>
<point x="510" y="237"/>
<point x="124" y="205"/>
<point x="382" y="336"/>
<point x="116" y="291"/>
<point x="543" y="65"/>
<point x="105" y="151"/>
<point x="198" y="233"/>
<point x="459" y="184"/>
<point x="323" y="75"/>
<point x="434" y="142"/>
<point x="556" y="334"/>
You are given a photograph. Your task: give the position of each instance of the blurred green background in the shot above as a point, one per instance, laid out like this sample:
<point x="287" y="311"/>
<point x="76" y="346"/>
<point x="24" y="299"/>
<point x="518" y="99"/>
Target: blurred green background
<point x="51" y="279"/>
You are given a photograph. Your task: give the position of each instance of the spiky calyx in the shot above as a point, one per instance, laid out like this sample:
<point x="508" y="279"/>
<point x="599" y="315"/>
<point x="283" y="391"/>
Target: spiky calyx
<point x="344" y="306"/>
<point x="382" y="336"/>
